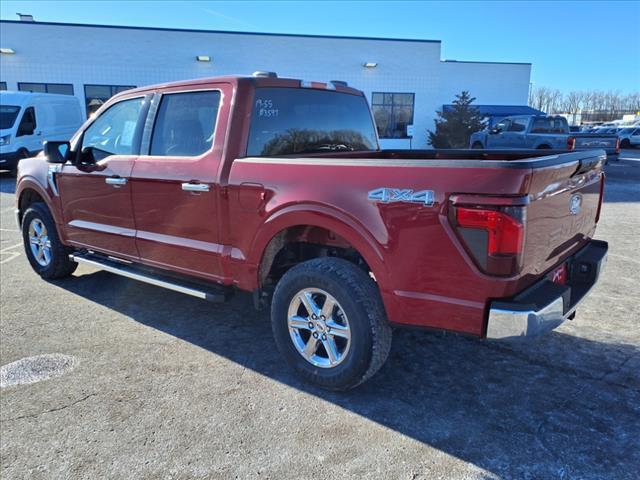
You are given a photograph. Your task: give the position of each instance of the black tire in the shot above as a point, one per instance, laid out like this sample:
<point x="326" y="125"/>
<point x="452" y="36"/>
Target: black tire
<point x="544" y="147"/>
<point x="359" y="298"/>
<point x="626" y="143"/>
<point x="477" y="146"/>
<point x="59" y="265"/>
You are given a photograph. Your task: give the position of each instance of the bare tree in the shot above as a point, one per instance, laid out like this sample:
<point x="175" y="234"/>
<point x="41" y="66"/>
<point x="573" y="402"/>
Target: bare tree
<point x="602" y="105"/>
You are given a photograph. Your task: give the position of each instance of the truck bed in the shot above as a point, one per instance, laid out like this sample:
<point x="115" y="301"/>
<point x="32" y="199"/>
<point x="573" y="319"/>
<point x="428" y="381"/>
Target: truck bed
<point x="419" y="284"/>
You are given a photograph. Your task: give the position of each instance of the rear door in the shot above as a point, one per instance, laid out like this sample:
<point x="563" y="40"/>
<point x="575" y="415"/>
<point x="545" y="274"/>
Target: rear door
<point x="95" y="190"/>
<point x="175" y="183"/>
<point x="518" y="130"/>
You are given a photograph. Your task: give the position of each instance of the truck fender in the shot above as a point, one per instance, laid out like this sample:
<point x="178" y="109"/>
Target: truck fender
<point x="31" y="183"/>
<point x="328" y="218"/>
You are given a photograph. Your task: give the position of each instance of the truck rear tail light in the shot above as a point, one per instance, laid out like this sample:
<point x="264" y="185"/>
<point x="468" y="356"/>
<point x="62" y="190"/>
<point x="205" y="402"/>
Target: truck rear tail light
<point x="571" y="143"/>
<point x="618" y="145"/>
<point x="492" y="235"/>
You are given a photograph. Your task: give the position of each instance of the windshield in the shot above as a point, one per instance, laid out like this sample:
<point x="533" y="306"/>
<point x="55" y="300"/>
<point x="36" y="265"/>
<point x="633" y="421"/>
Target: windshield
<point x="8" y="115"/>
<point x="295" y="120"/>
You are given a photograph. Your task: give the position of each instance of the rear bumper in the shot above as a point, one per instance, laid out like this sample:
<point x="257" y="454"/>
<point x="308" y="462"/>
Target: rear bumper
<point x="545" y="305"/>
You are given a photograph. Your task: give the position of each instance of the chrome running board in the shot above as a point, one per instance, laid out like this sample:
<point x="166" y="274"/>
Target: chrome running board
<point x="211" y="293"/>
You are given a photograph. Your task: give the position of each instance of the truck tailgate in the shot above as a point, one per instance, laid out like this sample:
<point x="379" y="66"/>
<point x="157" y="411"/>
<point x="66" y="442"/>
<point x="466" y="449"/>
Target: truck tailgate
<point x="562" y="214"/>
<point x="590" y="141"/>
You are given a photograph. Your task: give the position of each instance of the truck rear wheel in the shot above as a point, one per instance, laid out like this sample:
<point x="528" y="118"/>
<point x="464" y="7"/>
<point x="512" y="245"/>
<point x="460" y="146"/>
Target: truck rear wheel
<point x="329" y="323"/>
<point x="47" y="255"/>
<point x="477" y="146"/>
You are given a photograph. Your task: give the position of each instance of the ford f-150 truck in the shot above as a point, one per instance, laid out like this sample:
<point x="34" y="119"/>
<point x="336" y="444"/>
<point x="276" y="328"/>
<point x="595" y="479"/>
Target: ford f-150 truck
<point x="278" y="187"/>
<point x="542" y="132"/>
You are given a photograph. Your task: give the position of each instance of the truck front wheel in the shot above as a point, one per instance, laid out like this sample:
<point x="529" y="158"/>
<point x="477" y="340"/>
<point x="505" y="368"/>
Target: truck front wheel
<point x="47" y="255"/>
<point x="329" y="323"/>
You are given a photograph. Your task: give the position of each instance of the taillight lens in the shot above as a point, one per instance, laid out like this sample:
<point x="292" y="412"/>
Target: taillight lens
<point x="618" y="145"/>
<point x="493" y="236"/>
<point x="571" y="143"/>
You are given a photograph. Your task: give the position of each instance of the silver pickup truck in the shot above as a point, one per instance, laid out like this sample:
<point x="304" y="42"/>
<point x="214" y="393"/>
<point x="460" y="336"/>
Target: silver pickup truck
<point x="542" y="132"/>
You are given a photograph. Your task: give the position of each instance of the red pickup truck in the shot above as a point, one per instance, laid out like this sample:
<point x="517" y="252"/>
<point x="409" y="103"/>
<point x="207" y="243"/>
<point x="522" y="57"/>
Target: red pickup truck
<point x="278" y="187"/>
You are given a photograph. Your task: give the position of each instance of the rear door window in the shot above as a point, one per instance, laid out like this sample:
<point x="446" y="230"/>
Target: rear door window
<point x="300" y="120"/>
<point x="185" y="124"/>
<point x="518" y="125"/>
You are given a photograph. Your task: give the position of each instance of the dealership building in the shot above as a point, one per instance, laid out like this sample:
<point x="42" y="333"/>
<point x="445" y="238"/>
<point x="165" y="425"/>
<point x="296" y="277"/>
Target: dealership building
<point x="405" y="81"/>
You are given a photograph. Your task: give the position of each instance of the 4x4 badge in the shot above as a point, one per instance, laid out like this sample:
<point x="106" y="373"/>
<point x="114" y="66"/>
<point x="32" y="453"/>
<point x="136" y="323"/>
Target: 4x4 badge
<point x="389" y="195"/>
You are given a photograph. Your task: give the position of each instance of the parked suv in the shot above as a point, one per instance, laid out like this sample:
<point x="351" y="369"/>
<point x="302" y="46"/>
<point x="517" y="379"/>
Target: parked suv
<point x="278" y="187"/>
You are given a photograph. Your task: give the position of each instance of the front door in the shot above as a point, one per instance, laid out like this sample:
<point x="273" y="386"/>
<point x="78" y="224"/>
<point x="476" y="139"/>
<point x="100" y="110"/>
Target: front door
<point x="175" y="187"/>
<point x="499" y="140"/>
<point x="95" y="190"/>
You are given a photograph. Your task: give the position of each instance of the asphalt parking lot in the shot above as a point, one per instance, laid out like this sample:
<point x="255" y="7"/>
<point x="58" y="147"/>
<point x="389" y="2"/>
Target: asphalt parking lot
<point x="160" y="385"/>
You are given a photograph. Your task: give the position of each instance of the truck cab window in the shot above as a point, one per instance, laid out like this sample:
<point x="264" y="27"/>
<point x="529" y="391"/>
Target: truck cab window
<point x="28" y="123"/>
<point x="185" y="124"/>
<point x="550" y="125"/>
<point x="293" y="120"/>
<point x="114" y="131"/>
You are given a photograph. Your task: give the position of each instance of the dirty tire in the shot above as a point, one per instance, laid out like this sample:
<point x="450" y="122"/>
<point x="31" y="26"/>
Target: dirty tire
<point x="60" y="266"/>
<point x="360" y="299"/>
<point x="626" y="143"/>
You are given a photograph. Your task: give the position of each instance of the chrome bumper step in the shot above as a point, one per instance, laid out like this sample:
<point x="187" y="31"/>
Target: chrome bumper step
<point x="211" y="293"/>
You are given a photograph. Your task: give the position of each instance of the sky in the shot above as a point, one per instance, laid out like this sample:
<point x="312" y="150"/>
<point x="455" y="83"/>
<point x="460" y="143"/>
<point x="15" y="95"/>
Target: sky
<point x="575" y="45"/>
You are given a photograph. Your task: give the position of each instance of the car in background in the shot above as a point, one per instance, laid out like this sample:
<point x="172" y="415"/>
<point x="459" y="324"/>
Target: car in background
<point x="542" y="132"/>
<point x="607" y="130"/>
<point x="29" y="119"/>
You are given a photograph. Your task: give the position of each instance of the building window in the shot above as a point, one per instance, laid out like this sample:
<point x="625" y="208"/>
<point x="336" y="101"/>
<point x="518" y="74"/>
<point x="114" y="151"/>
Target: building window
<point x="3" y="85"/>
<point x="392" y="112"/>
<point x="96" y="95"/>
<point x="63" y="88"/>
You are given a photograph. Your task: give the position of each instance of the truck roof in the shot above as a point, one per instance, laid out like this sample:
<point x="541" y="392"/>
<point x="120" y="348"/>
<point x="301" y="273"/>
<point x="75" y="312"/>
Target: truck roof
<point x="257" y="81"/>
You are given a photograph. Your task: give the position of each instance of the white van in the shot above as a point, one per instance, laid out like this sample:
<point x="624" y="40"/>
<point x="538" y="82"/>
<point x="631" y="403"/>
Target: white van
<point x="28" y="119"/>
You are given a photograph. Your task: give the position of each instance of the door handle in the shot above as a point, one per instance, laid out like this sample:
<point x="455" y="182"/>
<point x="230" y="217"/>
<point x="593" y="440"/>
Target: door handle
<point x="195" y="187"/>
<point x="115" y="181"/>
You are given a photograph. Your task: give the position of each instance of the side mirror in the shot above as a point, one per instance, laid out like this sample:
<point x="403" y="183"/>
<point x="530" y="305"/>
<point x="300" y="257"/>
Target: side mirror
<point x="56" y="152"/>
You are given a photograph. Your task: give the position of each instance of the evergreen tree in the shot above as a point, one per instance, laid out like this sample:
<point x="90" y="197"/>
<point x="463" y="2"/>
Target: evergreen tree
<point x="454" y="128"/>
